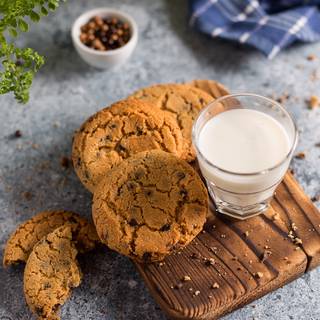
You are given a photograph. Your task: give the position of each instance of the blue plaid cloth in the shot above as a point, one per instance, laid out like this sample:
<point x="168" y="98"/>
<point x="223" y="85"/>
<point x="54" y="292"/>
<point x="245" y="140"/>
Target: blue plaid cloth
<point x="268" y="25"/>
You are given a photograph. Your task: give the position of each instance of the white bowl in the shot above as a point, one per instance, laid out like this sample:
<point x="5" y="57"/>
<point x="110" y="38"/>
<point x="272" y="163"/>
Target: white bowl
<point x="104" y="59"/>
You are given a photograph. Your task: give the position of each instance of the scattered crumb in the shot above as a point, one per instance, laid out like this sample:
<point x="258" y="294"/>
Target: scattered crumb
<point x="285" y="258"/>
<point x="190" y="289"/>
<point x="314" y="102"/>
<point x="250" y="261"/>
<point x="197" y="293"/>
<point x="283" y="98"/>
<point x="275" y="217"/>
<point x="311" y="57"/>
<point x="195" y="255"/>
<point x="210" y="262"/>
<point x="215" y="285"/>
<point x="213" y="226"/>
<point x="259" y="275"/>
<point x="266" y="255"/>
<point x="186" y="278"/>
<point x="300" y="155"/>
<point x="203" y="231"/>
<point x="18" y="134"/>
<point x="222" y="235"/>
<point x="171" y="287"/>
<point x="294" y="227"/>
<point x="65" y="162"/>
<point x="210" y="296"/>
<point x="297" y="248"/>
<point x="214" y="249"/>
<point x="316" y="198"/>
<point x="266" y="247"/>
<point x="246" y="233"/>
<point x="27" y="195"/>
<point x="297" y="241"/>
<point x="161" y="264"/>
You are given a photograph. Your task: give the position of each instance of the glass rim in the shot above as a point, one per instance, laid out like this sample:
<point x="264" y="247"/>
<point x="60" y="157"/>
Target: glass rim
<point x="251" y="95"/>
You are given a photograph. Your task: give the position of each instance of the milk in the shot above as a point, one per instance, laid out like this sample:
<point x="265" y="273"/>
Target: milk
<point x="237" y="149"/>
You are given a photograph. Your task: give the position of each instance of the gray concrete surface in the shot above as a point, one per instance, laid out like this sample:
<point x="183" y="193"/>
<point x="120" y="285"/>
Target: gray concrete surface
<point x="67" y="91"/>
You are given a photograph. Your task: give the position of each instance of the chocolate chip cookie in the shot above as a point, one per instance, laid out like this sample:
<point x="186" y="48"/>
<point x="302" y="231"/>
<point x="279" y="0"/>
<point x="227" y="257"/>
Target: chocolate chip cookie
<point x="149" y="205"/>
<point x="183" y="102"/>
<point x="22" y="241"/>
<point x="51" y="272"/>
<point x="114" y="134"/>
<point x="212" y="87"/>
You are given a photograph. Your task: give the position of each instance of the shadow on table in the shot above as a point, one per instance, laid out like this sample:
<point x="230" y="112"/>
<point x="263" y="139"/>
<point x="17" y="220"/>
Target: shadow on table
<point x="221" y="54"/>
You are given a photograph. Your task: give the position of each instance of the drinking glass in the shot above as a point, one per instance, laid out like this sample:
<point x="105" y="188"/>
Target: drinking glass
<point x="243" y="195"/>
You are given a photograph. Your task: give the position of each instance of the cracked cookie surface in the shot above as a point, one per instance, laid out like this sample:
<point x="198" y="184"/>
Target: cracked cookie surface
<point x="212" y="87"/>
<point x="50" y="273"/>
<point x="22" y="241"/>
<point x="180" y="100"/>
<point x="116" y="133"/>
<point x="150" y="205"/>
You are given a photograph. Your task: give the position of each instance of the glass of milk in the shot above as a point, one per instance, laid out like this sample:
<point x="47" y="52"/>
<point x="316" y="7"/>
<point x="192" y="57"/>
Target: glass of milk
<point x="244" y="144"/>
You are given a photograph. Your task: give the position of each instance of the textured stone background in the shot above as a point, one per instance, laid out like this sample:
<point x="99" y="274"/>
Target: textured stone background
<point x="67" y="91"/>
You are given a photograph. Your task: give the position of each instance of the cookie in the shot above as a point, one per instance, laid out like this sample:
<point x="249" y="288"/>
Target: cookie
<point x="114" y="134"/>
<point x="22" y="241"/>
<point x="183" y="102"/>
<point x="214" y="88"/>
<point x="51" y="272"/>
<point x="150" y="205"/>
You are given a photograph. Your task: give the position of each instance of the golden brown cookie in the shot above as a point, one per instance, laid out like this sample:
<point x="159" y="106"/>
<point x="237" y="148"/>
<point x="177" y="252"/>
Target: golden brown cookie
<point x="183" y="102"/>
<point x="149" y="205"/>
<point x="50" y="273"/>
<point x="22" y="241"/>
<point x="214" y="88"/>
<point x="116" y="133"/>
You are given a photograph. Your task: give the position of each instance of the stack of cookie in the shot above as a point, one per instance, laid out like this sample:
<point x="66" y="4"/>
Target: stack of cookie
<point x="133" y="156"/>
<point x="148" y="201"/>
<point x="48" y="243"/>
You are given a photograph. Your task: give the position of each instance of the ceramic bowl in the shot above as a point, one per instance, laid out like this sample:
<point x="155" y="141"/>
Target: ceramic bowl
<point x="104" y="59"/>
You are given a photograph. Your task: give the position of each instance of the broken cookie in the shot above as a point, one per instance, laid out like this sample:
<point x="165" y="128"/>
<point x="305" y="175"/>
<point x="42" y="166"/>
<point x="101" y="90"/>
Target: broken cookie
<point x="22" y="241"/>
<point x="51" y="272"/>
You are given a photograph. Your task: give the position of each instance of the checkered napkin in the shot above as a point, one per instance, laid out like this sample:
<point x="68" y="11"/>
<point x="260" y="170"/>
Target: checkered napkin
<point x="268" y="25"/>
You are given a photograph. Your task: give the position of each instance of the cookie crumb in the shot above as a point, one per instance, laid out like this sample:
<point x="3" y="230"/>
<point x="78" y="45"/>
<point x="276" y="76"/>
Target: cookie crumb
<point x="215" y="285"/>
<point x="17" y="134"/>
<point x="275" y="217"/>
<point x="311" y="57"/>
<point x="314" y="102"/>
<point x="27" y="195"/>
<point x="222" y="235"/>
<point x="301" y="155"/>
<point x="259" y="275"/>
<point x="210" y="262"/>
<point x="186" y="278"/>
<point x="297" y="248"/>
<point x="65" y="162"/>
<point x="196" y="293"/>
<point x="246" y="233"/>
<point x="294" y="227"/>
<point x="297" y="241"/>
<point x="266" y="255"/>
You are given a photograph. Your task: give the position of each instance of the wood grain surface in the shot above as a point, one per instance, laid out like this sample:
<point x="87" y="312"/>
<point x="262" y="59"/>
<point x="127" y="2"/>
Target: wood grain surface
<point x="234" y="262"/>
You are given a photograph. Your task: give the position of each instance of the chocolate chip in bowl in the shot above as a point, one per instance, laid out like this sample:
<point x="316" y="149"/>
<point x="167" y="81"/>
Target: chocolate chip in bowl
<point x="104" y="37"/>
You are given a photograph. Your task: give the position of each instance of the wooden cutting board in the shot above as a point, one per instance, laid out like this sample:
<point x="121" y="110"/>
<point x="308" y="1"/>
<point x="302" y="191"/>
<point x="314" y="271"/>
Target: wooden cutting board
<point x="232" y="263"/>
